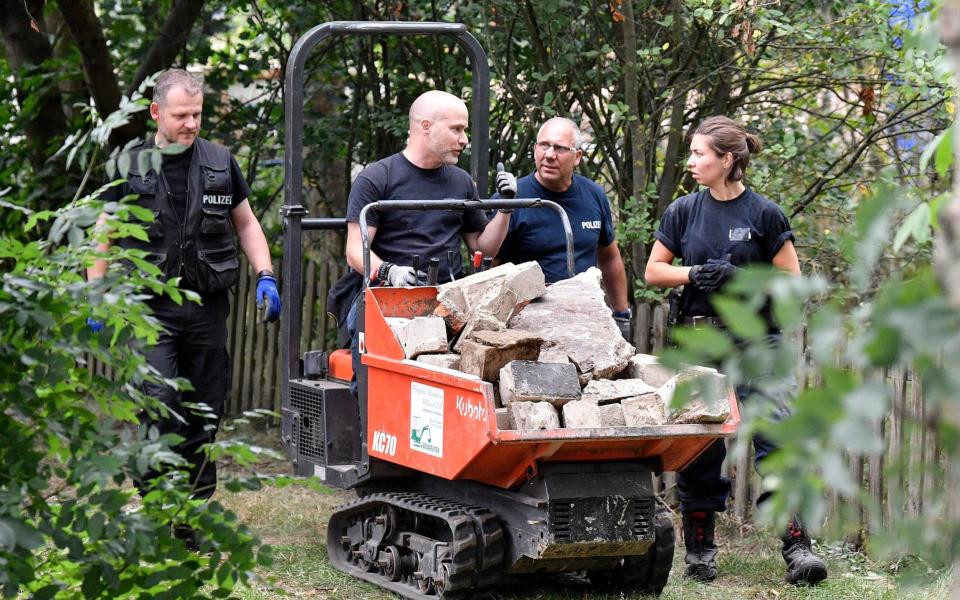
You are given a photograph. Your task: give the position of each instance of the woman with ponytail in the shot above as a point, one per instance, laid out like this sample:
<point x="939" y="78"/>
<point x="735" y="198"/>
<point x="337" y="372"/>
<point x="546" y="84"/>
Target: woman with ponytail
<point x="723" y="226"/>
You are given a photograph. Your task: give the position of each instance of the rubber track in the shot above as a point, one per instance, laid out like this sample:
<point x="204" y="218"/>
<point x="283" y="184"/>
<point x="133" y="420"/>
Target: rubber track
<point x="476" y="545"/>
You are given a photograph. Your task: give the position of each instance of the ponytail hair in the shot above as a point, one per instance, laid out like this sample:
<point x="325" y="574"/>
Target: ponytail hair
<point x="726" y="135"/>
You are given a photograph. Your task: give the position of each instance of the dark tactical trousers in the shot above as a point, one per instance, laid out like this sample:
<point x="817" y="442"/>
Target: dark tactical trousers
<point x="192" y="346"/>
<point x="700" y="486"/>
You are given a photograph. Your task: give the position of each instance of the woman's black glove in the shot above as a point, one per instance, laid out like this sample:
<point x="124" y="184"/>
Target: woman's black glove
<point x="711" y="276"/>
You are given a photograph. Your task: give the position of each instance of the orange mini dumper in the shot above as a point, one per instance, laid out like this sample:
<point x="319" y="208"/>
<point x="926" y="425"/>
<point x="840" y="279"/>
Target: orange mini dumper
<point x="448" y="502"/>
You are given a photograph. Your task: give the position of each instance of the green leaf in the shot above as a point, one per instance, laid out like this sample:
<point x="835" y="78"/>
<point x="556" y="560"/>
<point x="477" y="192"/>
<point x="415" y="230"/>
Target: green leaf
<point x="917" y="225"/>
<point x="740" y="318"/>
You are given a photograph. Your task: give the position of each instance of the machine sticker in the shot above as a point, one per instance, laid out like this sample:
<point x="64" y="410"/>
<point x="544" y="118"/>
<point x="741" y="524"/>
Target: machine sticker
<point x="470" y="410"/>
<point x="384" y="443"/>
<point x="426" y="419"/>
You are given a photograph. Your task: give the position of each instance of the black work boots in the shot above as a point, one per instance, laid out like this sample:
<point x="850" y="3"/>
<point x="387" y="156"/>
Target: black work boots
<point x="803" y="566"/>
<point x="698" y="528"/>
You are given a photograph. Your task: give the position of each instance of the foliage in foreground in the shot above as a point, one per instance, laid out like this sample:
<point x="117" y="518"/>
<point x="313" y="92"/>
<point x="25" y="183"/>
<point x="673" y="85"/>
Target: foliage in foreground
<point x="69" y="444"/>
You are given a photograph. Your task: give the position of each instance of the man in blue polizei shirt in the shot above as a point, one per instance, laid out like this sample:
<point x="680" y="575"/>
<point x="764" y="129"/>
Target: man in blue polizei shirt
<point x="536" y="234"/>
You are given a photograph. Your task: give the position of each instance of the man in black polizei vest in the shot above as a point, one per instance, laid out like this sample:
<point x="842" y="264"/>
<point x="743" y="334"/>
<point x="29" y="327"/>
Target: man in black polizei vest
<point x="199" y="203"/>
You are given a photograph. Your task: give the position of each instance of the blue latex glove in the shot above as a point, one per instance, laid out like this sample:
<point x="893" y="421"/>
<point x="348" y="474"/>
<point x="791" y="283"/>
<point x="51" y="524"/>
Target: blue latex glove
<point x="94" y="325"/>
<point x="269" y="296"/>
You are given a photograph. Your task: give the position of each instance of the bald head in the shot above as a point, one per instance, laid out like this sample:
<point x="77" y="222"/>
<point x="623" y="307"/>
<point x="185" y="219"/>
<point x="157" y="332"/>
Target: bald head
<point x="433" y="106"/>
<point x="563" y="125"/>
<point x="438" y="130"/>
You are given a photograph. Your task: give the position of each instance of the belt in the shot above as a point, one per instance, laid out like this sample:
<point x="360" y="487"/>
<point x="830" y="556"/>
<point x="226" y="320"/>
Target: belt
<point x="700" y="321"/>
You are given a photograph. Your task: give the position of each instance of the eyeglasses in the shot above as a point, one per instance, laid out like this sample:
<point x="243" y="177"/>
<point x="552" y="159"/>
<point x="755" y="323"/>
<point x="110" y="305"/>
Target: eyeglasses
<point x="560" y="150"/>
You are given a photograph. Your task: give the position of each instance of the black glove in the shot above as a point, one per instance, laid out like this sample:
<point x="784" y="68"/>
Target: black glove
<point x="711" y="276"/>
<point x="622" y="318"/>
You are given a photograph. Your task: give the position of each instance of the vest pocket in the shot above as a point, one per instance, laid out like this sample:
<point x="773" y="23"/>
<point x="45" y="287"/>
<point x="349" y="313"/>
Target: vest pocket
<point x="214" y="222"/>
<point x="217" y="269"/>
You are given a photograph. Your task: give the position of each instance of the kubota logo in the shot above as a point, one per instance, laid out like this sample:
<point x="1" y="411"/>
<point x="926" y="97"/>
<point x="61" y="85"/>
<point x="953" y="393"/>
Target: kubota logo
<point x="470" y="410"/>
<point x="384" y="443"/>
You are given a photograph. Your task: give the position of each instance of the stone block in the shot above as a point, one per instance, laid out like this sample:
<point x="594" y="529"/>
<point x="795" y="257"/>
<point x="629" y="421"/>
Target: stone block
<point x="528" y="381"/>
<point x="579" y="414"/>
<point x="643" y="410"/>
<point x="503" y="419"/>
<point x="499" y="293"/>
<point x="707" y="402"/>
<point x="607" y="391"/>
<point x="611" y="415"/>
<point x="420" y="335"/>
<point x="648" y="368"/>
<point x="446" y="361"/>
<point x="553" y="355"/>
<point x="574" y="318"/>
<point x="533" y="415"/>
<point x="486" y="360"/>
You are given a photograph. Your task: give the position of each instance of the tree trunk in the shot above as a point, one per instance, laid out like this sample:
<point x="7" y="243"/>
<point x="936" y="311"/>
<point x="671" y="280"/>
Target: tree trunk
<point x="637" y="251"/>
<point x="671" y="171"/>
<point x="947" y="263"/>
<point x="98" y="70"/>
<point x="21" y="23"/>
<point x="169" y="42"/>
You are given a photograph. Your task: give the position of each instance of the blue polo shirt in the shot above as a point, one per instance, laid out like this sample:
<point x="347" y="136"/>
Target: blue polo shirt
<point x="537" y="233"/>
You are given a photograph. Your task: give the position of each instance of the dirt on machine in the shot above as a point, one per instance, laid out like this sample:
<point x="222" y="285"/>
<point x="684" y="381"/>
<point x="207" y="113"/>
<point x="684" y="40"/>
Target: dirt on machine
<point x="449" y="502"/>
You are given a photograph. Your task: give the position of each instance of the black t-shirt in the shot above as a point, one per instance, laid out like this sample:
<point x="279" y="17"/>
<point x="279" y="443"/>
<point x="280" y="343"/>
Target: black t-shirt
<point x="401" y="234"/>
<point x="175" y="170"/>
<point x="698" y="227"/>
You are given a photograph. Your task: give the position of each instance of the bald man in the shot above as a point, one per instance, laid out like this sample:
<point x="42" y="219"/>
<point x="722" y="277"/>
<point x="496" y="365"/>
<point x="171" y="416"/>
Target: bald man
<point x="425" y="170"/>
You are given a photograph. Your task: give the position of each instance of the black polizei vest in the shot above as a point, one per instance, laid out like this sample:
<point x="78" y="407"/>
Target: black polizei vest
<point x="202" y="249"/>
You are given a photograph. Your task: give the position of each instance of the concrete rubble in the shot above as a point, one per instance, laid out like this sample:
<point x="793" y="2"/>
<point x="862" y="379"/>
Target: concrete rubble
<point x="530" y="381"/>
<point x="554" y="355"/>
<point x="573" y="317"/>
<point x="445" y="361"/>
<point x="486" y="352"/>
<point x="581" y="413"/>
<point x="648" y="368"/>
<point x="420" y="335"/>
<point x="488" y="299"/>
<point x="608" y="391"/>
<point x="533" y="415"/>
<point x="708" y="396"/>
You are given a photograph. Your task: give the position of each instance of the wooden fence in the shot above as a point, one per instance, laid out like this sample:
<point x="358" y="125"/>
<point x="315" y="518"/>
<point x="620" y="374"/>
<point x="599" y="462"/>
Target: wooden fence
<point x="911" y="440"/>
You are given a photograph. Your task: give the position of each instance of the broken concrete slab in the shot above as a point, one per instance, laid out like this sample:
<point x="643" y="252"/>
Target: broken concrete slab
<point x="553" y="355"/>
<point x="486" y="360"/>
<point x="533" y="415"/>
<point x="607" y="391"/>
<point x="503" y="418"/>
<point x="707" y="402"/>
<point x="446" y="361"/>
<point x="579" y="414"/>
<point x="643" y="410"/>
<point x="611" y="415"/>
<point x="420" y="335"/>
<point x="529" y="381"/>
<point x="648" y="368"/>
<point x="573" y="317"/>
<point x="499" y="292"/>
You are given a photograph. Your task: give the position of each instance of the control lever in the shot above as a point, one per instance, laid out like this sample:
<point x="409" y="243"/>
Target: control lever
<point x="433" y="271"/>
<point x="477" y="259"/>
<point x="416" y="267"/>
